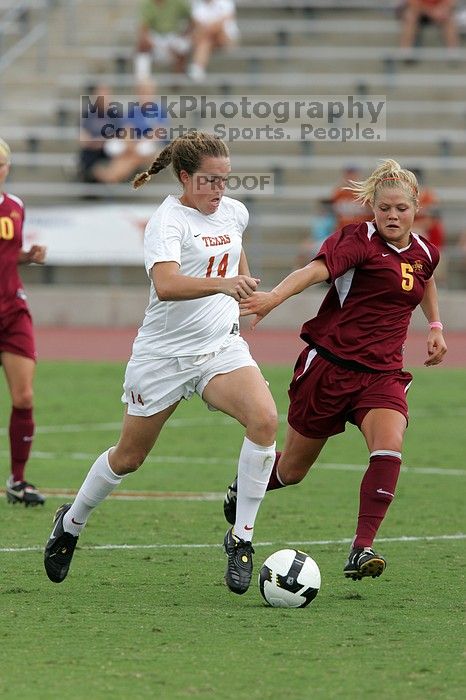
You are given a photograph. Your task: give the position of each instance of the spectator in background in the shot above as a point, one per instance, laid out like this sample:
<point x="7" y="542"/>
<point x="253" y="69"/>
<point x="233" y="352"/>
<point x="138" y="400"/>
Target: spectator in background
<point x="415" y="13"/>
<point x="92" y="143"/>
<point x="139" y="147"/>
<point x="164" y="34"/>
<point x="346" y="209"/>
<point x="322" y="225"/>
<point x="214" y="27"/>
<point x="17" y="347"/>
<point x="428" y="220"/>
<point x="459" y="256"/>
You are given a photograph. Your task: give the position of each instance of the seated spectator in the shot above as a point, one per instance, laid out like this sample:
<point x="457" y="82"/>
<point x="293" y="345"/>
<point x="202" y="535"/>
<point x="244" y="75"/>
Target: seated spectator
<point x="455" y="259"/>
<point x="139" y="147"/>
<point x="92" y="143"/>
<point x="460" y="17"/>
<point x="214" y="28"/>
<point x="322" y="225"/>
<point x="415" y="13"/>
<point x="461" y="249"/>
<point x="428" y="220"/>
<point x="164" y="34"/>
<point x="345" y="208"/>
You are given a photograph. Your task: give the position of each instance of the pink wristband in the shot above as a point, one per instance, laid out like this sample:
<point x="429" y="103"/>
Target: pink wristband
<point x="436" y="324"/>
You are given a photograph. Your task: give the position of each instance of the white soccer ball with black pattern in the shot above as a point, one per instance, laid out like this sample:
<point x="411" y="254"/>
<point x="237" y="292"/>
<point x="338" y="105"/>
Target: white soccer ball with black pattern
<point x="289" y="579"/>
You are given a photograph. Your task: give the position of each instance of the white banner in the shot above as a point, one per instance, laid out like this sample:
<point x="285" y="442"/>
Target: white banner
<point x="104" y="234"/>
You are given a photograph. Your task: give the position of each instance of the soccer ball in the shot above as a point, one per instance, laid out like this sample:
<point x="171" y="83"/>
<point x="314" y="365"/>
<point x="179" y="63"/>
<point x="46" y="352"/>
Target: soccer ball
<point x="289" y="579"/>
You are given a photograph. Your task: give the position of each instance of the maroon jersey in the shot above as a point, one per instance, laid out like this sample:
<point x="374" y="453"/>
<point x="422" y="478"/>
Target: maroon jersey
<point x="11" y="240"/>
<point x="375" y="287"/>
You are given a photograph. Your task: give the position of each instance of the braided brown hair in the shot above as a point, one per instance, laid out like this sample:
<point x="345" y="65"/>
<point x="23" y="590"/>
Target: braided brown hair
<point x="185" y="153"/>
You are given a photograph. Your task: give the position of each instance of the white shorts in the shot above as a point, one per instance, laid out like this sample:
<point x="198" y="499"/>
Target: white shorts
<point x="152" y="385"/>
<point x="116" y="147"/>
<point x="164" y="44"/>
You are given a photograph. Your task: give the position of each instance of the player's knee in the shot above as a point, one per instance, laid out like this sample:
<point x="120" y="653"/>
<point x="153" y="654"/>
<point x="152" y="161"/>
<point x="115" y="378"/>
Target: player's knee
<point x="23" y="398"/>
<point x="270" y="422"/>
<point x="262" y="427"/>
<point x="130" y="460"/>
<point x="290" y="476"/>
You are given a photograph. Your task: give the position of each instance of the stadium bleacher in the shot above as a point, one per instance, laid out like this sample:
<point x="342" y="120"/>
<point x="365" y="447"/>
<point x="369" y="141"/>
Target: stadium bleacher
<point x="320" y="48"/>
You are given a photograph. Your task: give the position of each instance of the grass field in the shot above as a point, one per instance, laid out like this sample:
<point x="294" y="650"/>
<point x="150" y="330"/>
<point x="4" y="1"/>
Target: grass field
<point x="144" y="612"/>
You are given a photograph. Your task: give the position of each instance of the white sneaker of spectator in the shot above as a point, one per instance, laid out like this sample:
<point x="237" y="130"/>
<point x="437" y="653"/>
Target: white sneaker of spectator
<point x="196" y="73"/>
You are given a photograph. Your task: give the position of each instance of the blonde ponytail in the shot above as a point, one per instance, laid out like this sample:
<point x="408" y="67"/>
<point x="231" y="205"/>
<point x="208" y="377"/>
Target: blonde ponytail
<point x="388" y="174"/>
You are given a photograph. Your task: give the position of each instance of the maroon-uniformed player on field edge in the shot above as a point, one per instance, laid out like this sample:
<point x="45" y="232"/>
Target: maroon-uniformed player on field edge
<point x="351" y="369"/>
<point x="17" y="348"/>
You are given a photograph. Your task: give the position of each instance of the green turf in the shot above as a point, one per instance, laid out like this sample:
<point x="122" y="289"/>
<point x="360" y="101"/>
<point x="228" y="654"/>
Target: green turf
<point x="159" y="623"/>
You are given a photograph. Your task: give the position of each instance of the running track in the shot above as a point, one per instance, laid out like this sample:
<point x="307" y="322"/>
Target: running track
<point x="273" y="346"/>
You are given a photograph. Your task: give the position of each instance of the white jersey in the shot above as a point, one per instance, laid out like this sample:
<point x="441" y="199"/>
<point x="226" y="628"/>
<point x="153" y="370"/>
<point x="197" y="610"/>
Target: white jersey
<point x="203" y="246"/>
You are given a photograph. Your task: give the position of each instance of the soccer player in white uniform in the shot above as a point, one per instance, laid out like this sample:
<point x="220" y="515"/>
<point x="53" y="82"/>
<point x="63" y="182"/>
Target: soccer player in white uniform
<point x="188" y="343"/>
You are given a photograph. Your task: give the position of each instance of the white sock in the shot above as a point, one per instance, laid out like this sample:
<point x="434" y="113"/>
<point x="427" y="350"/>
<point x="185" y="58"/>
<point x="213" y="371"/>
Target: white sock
<point x="142" y="65"/>
<point x="254" y="467"/>
<point x="98" y="484"/>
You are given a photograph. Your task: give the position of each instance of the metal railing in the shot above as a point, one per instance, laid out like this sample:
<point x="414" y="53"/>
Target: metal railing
<point x="26" y="23"/>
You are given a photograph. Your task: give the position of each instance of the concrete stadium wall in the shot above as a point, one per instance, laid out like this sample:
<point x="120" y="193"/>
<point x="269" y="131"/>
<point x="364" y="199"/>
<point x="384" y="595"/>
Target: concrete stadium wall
<point x="58" y="305"/>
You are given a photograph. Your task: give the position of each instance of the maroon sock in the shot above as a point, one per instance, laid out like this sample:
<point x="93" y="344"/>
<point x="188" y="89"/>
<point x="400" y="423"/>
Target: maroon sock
<point x="274" y="482"/>
<point x="21" y="435"/>
<point x="376" y="494"/>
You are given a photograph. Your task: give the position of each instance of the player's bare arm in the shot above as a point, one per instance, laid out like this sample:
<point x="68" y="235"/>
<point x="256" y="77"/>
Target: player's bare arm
<point x="36" y="254"/>
<point x="171" y="285"/>
<point x="243" y="267"/>
<point x="261" y="303"/>
<point x="436" y="345"/>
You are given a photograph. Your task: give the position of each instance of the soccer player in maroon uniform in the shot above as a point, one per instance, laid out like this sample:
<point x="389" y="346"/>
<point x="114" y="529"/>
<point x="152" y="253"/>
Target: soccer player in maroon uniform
<point x="17" y="349"/>
<point x="351" y="369"/>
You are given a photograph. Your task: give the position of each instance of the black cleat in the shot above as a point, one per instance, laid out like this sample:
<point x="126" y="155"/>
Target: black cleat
<point x="229" y="502"/>
<point x="23" y="492"/>
<point x="239" y="567"/>
<point x="364" y="562"/>
<point x="59" y="549"/>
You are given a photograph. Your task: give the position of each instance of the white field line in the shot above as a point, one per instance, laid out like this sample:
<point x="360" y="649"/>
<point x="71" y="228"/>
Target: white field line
<point x="173" y="459"/>
<point x="103" y="427"/>
<point x="139" y="495"/>
<point x="292" y="543"/>
<point x="214" y="421"/>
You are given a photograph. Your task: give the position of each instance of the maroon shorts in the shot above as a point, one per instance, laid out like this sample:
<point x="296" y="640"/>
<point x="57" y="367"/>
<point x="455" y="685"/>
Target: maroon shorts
<point x="324" y="395"/>
<point x="16" y="334"/>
